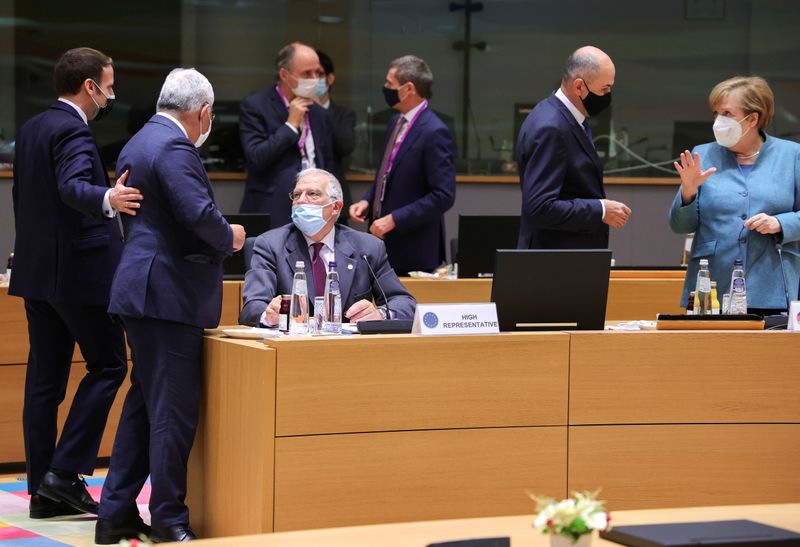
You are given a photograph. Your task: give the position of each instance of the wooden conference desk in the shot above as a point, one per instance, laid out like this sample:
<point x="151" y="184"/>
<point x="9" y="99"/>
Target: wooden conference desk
<point x="518" y="528"/>
<point x="13" y="359"/>
<point x="324" y="432"/>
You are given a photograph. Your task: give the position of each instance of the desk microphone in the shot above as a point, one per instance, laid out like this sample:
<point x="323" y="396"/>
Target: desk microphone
<point x="378" y="283"/>
<point x="779" y="248"/>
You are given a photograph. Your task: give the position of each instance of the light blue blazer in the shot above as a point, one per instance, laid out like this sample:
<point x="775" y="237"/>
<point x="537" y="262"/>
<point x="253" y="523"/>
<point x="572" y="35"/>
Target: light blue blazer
<point x="719" y="210"/>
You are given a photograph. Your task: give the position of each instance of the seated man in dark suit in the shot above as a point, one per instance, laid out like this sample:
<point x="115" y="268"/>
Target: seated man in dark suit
<point x="314" y="238"/>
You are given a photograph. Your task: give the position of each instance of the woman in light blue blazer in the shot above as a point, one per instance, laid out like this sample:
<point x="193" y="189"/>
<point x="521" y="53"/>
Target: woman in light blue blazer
<point x="740" y="196"/>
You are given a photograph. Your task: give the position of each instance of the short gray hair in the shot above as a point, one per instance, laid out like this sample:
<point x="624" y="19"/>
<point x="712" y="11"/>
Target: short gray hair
<point x="415" y="70"/>
<point x="581" y="64"/>
<point x="334" y="187"/>
<point x="185" y="90"/>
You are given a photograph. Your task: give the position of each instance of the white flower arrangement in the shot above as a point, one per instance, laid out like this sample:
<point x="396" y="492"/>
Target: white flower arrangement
<point x="572" y="517"/>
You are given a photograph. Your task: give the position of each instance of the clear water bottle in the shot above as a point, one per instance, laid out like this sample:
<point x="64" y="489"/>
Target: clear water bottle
<point x="738" y="305"/>
<point x="703" y="290"/>
<point x="332" y="322"/>
<point x="298" y="309"/>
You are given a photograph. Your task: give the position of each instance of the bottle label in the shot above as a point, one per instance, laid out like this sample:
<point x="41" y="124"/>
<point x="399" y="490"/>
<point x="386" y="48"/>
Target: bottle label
<point x="283" y="322"/>
<point x="704" y="284"/>
<point x="738" y="285"/>
<point x="300" y="287"/>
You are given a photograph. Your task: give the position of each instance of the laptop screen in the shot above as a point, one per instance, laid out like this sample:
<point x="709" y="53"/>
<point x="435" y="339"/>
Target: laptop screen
<point x="551" y="289"/>
<point x="478" y="239"/>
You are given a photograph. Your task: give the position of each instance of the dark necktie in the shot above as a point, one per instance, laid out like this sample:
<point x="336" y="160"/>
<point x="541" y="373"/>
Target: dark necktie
<point x="318" y="269"/>
<point x="588" y="131"/>
<point x="380" y="180"/>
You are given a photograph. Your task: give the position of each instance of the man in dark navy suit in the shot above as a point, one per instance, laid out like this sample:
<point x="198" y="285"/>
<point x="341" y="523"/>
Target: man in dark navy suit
<point x="67" y="246"/>
<point x="416" y="181"/>
<point x="167" y="288"/>
<point x="564" y="205"/>
<point x="284" y="131"/>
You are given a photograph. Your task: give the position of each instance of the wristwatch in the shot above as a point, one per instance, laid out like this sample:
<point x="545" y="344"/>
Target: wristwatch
<point x="382" y="311"/>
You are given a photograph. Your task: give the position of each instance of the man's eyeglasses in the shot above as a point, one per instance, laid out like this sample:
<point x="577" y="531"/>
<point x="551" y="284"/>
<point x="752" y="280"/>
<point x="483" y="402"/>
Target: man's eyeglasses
<point x="312" y="195"/>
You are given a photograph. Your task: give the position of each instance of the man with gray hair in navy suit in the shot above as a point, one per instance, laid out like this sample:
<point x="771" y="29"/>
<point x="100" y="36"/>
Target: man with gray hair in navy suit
<point x="167" y="288"/>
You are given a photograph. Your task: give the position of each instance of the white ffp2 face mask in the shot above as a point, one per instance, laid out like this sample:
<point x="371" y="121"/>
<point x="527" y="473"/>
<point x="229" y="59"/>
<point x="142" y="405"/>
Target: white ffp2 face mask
<point x="728" y="131"/>
<point x="306" y="87"/>
<point x="202" y="138"/>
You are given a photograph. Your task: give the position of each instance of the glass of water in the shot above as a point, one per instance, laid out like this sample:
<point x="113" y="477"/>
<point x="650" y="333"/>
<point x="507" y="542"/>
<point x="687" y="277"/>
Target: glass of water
<point x="319" y="314"/>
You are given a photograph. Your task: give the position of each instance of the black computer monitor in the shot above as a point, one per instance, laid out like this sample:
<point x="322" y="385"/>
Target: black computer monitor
<point x="551" y="289"/>
<point x="478" y="239"/>
<point x="254" y="224"/>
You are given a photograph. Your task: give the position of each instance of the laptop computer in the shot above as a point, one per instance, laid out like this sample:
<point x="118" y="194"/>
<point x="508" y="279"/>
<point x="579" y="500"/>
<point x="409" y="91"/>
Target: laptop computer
<point x="720" y="533"/>
<point x="561" y="289"/>
<point x="479" y="237"/>
<point x="254" y="224"/>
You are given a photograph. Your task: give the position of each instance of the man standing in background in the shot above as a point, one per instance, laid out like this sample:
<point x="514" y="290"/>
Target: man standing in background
<point x="168" y="287"/>
<point x="283" y="131"/>
<point x="564" y="204"/>
<point x="67" y="247"/>
<point x="416" y="182"/>
<point x="343" y="128"/>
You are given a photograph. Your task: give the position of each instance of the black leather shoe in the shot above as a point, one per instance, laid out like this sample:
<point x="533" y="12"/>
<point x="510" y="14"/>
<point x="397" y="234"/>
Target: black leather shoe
<point x="71" y="491"/>
<point x="45" y="508"/>
<point x="179" y="532"/>
<point x="108" y="532"/>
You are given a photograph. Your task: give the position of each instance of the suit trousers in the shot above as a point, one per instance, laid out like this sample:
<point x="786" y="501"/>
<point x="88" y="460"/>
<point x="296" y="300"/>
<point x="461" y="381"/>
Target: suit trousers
<point x="158" y="422"/>
<point x="53" y="329"/>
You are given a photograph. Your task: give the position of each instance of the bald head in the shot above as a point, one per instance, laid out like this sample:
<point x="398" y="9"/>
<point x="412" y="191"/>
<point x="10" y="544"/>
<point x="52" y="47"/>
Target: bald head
<point x="588" y="69"/>
<point x="586" y="63"/>
<point x="295" y="62"/>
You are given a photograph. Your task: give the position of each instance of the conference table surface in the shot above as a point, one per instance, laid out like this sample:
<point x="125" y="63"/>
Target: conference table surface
<point x="518" y="528"/>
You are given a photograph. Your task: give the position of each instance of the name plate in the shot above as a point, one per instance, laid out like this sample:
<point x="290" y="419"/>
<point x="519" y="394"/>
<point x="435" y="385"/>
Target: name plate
<point x="478" y="318"/>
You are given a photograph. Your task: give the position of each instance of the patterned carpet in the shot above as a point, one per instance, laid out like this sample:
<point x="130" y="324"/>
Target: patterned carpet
<point x="16" y="529"/>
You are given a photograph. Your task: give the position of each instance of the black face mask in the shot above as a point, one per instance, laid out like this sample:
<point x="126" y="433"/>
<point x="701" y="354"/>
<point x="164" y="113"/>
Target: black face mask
<point x="392" y="96"/>
<point x="595" y="104"/>
<point x="102" y="110"/>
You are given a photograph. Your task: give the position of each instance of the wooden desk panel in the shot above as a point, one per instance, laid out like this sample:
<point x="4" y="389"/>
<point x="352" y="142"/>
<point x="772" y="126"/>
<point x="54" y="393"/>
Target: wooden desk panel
<point x="13" y="330"/>
<point x="684" y="377"/>
<point x="231" y="302"/>
<point x="518" y="528"/>
<point x="680" y="465"/>
<point x="342" y="480"/>
<point x="448" y="291"/>
<point x="231" y="463"/>
<point x="12" y="393"/>
<point x="385" y="383"/>
<point x="630" y="299"/>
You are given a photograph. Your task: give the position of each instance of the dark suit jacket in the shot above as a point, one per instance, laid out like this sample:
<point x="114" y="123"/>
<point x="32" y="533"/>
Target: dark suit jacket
<point x="273" y="159"/>
<point x="420" y="188"/>
<point x="65" y="249"/>
<point x="343" y="138"/>
<point x="171" y="266"/>
<point x="561" y="179"/>
<point x="272" y="269"/>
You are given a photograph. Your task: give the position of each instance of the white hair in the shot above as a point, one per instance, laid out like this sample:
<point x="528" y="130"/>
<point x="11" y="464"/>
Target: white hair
<point x="185" y="90"/>
<point x="334" y="187"/>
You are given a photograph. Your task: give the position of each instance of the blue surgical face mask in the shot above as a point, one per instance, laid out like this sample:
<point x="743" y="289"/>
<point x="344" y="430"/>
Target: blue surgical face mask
<point x="322" y="87"/>
<point x="308" y="218"/>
